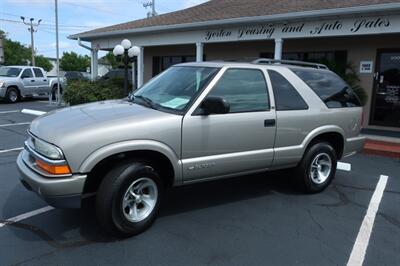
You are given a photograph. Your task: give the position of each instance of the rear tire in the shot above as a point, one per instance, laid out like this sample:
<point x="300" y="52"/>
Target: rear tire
<point x="128" y="200"/>
<point x="317" y="168"/>
<point x="12" y="95"/>
<point x="54" y="92"/>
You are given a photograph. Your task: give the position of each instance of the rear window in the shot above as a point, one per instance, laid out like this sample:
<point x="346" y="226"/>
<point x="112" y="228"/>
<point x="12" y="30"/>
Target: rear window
<point x="38" y="72"/>
<point x="332" y="90"/>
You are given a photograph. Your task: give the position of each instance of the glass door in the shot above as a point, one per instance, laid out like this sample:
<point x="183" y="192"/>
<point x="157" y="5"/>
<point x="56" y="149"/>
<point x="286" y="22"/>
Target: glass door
<point x="386" y="97"/>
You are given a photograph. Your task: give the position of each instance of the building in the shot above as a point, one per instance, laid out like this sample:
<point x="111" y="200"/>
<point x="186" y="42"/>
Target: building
<point x="363" y="33"/>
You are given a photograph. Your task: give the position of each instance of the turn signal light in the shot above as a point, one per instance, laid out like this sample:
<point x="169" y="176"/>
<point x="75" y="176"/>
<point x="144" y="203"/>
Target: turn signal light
<point x="53" y="169"/>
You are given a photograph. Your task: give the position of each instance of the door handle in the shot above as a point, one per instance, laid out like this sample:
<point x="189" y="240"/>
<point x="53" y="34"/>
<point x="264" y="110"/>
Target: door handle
<point x="45" y="80"/>
<point x="269" y="122"/>
<point x="32" y="80"/>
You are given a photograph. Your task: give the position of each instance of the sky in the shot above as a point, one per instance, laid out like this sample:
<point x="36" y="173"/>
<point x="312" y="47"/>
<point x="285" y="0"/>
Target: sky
<point x="74" y="16"/>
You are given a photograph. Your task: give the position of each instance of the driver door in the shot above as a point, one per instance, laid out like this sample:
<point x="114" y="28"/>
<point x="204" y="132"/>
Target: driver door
<point x="240" y="141"/>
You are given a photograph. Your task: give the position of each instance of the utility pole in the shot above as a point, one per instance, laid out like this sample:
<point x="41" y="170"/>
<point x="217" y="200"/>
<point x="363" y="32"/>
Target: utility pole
<point x="32" y="30"/>
<point x="58" y="56"/>
<point x="151" y="4"/>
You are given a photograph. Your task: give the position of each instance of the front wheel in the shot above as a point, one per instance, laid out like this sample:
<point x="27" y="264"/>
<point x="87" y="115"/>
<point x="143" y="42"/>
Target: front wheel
<point x="128" y="200"/>
<point x="12" y="95"/>
<point x="317" y="168"/>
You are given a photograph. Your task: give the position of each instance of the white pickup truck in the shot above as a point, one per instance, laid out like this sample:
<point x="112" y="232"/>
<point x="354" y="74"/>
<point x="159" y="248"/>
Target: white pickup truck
<point x="18" y="82"/>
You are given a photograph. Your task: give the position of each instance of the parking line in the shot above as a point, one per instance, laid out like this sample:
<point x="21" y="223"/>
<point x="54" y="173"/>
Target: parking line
<point x="25" y="216"/>
<point x="32" y="112"/>
<point x="15" y="124"/>
<point x="7" y="112"/>
<point x="360" y="246"/>
<point x="13" y="149"/>
<point x="343" y="166"/>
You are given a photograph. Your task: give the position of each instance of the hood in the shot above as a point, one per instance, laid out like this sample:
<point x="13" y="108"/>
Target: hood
<point x="8" y="79"/>
<point x="92" y="119"/>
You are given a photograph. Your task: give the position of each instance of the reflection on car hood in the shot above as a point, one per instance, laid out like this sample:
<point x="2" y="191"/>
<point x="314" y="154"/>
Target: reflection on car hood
<point x="58" y="124"/>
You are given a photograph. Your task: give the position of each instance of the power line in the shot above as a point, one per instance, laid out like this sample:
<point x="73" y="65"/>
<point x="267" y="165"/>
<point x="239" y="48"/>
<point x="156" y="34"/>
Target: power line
<point x="47" y="24"/>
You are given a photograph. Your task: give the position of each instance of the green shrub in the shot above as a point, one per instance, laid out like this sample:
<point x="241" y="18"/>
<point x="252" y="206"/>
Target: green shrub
<point x="83" y="91"/>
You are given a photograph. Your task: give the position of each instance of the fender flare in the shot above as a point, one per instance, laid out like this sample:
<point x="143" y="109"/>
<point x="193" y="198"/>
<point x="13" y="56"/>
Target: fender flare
<point x="321" y="130"/>
<point x="128" y="146"/>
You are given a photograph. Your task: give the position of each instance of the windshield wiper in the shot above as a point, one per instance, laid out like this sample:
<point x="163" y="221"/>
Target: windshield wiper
<point x="149" y="102"/>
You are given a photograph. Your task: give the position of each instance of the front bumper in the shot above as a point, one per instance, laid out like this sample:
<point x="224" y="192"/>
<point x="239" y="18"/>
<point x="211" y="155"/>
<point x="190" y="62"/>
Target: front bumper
<point x="65" y="192"/>
<point x="354" y="145"/>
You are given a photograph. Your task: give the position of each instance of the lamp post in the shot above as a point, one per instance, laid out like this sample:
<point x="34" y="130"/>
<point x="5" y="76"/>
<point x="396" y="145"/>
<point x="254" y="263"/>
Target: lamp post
<point x="128" y="51"/>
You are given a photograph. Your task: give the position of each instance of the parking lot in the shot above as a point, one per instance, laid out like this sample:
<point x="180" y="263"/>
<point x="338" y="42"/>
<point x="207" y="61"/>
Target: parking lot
<point x="250" y="220"/>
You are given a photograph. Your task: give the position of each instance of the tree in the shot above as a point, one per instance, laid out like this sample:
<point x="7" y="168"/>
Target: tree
<point x="43" y="62"/>
<point x="74" y="62"/>
<point x="112" y="60"/>
<point x="15" y="53"/>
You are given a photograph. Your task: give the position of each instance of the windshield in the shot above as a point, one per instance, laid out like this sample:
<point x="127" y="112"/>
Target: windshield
<point x="175" y="88"/>
<point x="10" y="71"/>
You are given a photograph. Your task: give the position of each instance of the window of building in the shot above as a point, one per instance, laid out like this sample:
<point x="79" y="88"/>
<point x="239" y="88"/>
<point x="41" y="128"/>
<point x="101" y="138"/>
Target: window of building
<point x="286" y="96"/>
<point x="161" y="63"/>
<point x="244" y="89"/>
<point x="27" y="73"/>
<point x="329" y="87"/>
<point x="336" y="59"/>
<point x="38" y="73"/>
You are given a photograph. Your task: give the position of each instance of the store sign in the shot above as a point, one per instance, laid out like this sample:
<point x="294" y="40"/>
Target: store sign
<point x="338" y="27"/>
<point x="366" y="67"/>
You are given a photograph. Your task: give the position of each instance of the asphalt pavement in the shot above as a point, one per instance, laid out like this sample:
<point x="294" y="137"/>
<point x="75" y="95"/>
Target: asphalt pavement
<point x="249" y="220"/>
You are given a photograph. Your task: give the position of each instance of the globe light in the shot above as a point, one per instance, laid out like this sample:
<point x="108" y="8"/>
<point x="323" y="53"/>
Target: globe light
<point x="126" y="44"/>
<point x="134" y="51"/>
<point x="118" y="50"/>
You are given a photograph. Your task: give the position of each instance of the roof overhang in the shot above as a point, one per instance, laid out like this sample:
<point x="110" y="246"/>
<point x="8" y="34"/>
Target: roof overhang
<point x="293" y="16"/>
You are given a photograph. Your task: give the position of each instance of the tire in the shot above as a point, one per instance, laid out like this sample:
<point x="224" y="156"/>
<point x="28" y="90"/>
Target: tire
<point x="12" y="95"/>
<point x="115" y="206"/>
<point x="317" y="168"/>
<point x="54" y="92"/>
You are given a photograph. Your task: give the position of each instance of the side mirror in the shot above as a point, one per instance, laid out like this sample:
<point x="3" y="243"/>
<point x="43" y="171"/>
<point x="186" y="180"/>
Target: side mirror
<point x="214" y="105"/>
<point x="24" y="76"/>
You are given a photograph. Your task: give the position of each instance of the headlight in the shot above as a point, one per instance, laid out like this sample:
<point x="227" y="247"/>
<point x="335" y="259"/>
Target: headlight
<point x="2" y="83"/>
<point x="46" y="149"/>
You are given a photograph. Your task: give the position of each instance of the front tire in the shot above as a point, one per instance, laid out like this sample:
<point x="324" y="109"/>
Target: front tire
<point x="317" y="168"/>
<point x="12" y="95"/>
<point x="128" y="200"/>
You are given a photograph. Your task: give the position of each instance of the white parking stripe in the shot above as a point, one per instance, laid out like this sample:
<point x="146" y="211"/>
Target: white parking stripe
<point x="14" y="149"/>
<point x="26" y="215"/>
<point x="32" y="112"/>
<point x="360" y="246"/>
<point x="7" y="112"/>
<point x="343" y="166"/>
<point x="15" y="124"/>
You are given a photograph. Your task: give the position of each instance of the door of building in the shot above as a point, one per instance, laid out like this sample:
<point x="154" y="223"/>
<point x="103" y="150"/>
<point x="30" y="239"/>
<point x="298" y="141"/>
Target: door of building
<point x="386" y="96"/>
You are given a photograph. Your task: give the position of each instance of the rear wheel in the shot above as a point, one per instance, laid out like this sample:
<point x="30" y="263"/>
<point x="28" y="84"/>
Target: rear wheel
<point x="12" y="95"/>
<point x="317" y="168"/>
<point x="54" y="92"/>
<point x="128" y="200"/>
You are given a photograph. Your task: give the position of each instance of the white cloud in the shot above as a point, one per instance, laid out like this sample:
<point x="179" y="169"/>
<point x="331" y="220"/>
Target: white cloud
<point x="62" y="45"/>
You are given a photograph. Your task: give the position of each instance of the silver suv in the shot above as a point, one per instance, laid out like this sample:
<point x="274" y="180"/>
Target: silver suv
<point x="194" y="122"/>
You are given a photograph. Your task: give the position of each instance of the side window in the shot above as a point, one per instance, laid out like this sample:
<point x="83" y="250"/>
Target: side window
<point x="27" y="73"/>
<point x="244" y="89"/>
<point x="286" y="96"/>
<point x="38" y="73"/>
<point x="332" y="90"/>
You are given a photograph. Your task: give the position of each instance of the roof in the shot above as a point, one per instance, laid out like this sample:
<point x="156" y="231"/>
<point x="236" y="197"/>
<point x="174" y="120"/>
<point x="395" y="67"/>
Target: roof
<point x="220" y="10"/>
